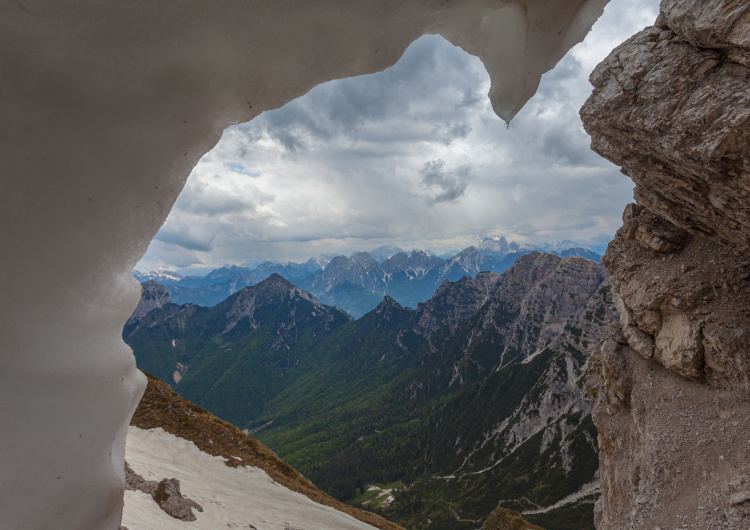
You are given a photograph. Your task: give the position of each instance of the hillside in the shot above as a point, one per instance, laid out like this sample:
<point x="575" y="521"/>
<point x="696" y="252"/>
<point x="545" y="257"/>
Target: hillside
<point x="265" y="333"/>
<point x="164" y="410"/>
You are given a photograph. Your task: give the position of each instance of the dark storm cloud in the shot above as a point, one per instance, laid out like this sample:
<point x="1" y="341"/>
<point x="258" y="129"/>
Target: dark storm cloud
<point x="451" y="185"/>
<point x="294" y="124"/>
<point x="452" y="131"/>
<point x="182" y="236"/>
<point x="205" y="198"/>
<point x="341" y="108"/>
<point x="567" y="145"/>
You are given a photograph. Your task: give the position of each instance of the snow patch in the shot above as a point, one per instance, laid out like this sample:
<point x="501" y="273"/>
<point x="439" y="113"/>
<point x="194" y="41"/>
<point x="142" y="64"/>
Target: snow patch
<point x="591" y="488"/>
<point x="231" y="497"/>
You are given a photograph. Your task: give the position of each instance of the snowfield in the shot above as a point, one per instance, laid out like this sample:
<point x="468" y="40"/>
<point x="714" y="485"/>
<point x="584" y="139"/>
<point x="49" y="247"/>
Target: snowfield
<point x="244" y="497"/>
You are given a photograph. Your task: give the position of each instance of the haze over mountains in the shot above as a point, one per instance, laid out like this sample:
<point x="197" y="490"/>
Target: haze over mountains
<point x="357" y="283"/>
<point x="473" y="399"/>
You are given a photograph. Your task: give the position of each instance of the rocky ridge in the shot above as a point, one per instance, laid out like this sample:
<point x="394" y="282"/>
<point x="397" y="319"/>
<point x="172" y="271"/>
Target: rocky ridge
<point x="153" y="296"/>
<point x="357" y="283"/>
<point x="671" y="106"/>
<point x="272" y="324"/>
<point x="415" y="265"/>
<point x="515" y="315"/>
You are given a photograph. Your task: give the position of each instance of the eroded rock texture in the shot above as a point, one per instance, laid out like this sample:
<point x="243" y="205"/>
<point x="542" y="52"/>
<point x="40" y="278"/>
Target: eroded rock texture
<point x="671" y="106"/>
<point x="153" y="296"/>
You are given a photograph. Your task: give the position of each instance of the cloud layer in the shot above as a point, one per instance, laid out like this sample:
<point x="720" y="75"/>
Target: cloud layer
<point x="412" y="156"/>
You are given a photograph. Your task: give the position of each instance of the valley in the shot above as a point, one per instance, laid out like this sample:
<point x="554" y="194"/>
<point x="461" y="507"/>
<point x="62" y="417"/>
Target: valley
<point x="473" y="398"/>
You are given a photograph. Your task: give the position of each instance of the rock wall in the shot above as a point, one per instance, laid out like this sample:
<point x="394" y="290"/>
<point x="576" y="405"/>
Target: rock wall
<point x="671" y="106"/>
<point x="153" y="296"/>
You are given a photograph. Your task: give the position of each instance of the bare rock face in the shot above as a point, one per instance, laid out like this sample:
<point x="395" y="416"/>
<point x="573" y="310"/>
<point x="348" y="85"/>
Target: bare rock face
<point x="153" y="296"/>
<point x="671" y="383"/>
<point x="683" y="300"/>
<point x="676" y="117"/>
<point x="673" y="453"/>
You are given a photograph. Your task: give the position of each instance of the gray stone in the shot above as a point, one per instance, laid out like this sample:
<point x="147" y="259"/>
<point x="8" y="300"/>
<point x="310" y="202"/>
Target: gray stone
<point x="165" y="493"/>
<point x="739" y="498"/>
<point x="671" y="106"/>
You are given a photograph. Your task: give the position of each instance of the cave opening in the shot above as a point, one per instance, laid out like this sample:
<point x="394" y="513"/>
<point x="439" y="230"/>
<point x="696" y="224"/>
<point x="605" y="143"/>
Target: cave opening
<point x="121" y="122"/>
<point x="303" y="163"/>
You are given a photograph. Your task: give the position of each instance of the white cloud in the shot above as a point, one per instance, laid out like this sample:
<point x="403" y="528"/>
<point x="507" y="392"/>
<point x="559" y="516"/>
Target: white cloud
<point x="413" y="156"/>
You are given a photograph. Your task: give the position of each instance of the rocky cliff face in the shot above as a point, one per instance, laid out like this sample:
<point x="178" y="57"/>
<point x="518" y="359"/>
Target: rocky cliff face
<point x="153" y="296"/>
<point x="672" y="107"/>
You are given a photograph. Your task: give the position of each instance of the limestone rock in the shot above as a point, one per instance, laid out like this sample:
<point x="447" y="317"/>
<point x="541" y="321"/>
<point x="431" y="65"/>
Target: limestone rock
<point x="676" y="117"/>
<point x="169" y="498"/>
<point x="652" y="231"/>
<point x="668" y="447"/>
<point x="679" y="345"/>
<point x="609" y="374"/>
<point x="153" y="296"/>
<point x="671" y="106"/>
<point x="689" y="309"/>
<point x="135" y="482"/>
<point x="739" y="498"/>
<point x="721" y="25"/>
<point x="166" y="493"/>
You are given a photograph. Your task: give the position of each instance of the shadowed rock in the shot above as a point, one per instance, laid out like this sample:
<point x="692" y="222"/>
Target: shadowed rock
<point x="671" y="106"/>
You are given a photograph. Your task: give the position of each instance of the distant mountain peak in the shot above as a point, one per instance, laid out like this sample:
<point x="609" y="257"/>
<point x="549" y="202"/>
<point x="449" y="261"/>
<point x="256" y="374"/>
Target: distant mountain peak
<point x="468" y="251"/>
<point x="385" y="252"/>
<point x="153" y="296"/>
<point x="389" y="314"/>
<point x="277" y="278"/>
<point x="388" y="302"/>
<point x="363" y="257"/>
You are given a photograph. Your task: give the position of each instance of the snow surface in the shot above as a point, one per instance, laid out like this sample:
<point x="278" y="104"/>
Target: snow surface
<point x="106" y="108"/>
<point x="230" y="497"/>
<point x="586" y="490"/>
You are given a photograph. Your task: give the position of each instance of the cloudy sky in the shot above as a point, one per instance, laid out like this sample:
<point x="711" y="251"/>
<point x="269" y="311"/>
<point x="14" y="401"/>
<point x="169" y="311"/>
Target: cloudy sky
<point x="412" y="156"/>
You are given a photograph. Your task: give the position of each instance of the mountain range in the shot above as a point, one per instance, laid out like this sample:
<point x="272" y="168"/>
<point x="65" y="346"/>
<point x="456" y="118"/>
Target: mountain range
<point x="472" y="400"/>
<point x="357" y="283"/>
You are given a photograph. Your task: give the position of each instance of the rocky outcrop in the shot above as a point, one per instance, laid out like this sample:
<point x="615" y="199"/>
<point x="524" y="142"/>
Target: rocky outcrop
<point x="166" y="493"/>
<point x="684" y="300"/>
<point x="453" y="302"/>
<point x="153" y="296"/>
<point x="360" y="269"/>
<point x="671" y="106"/>
<point x="675" y="116"/>
<point x="415" y="265"/>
